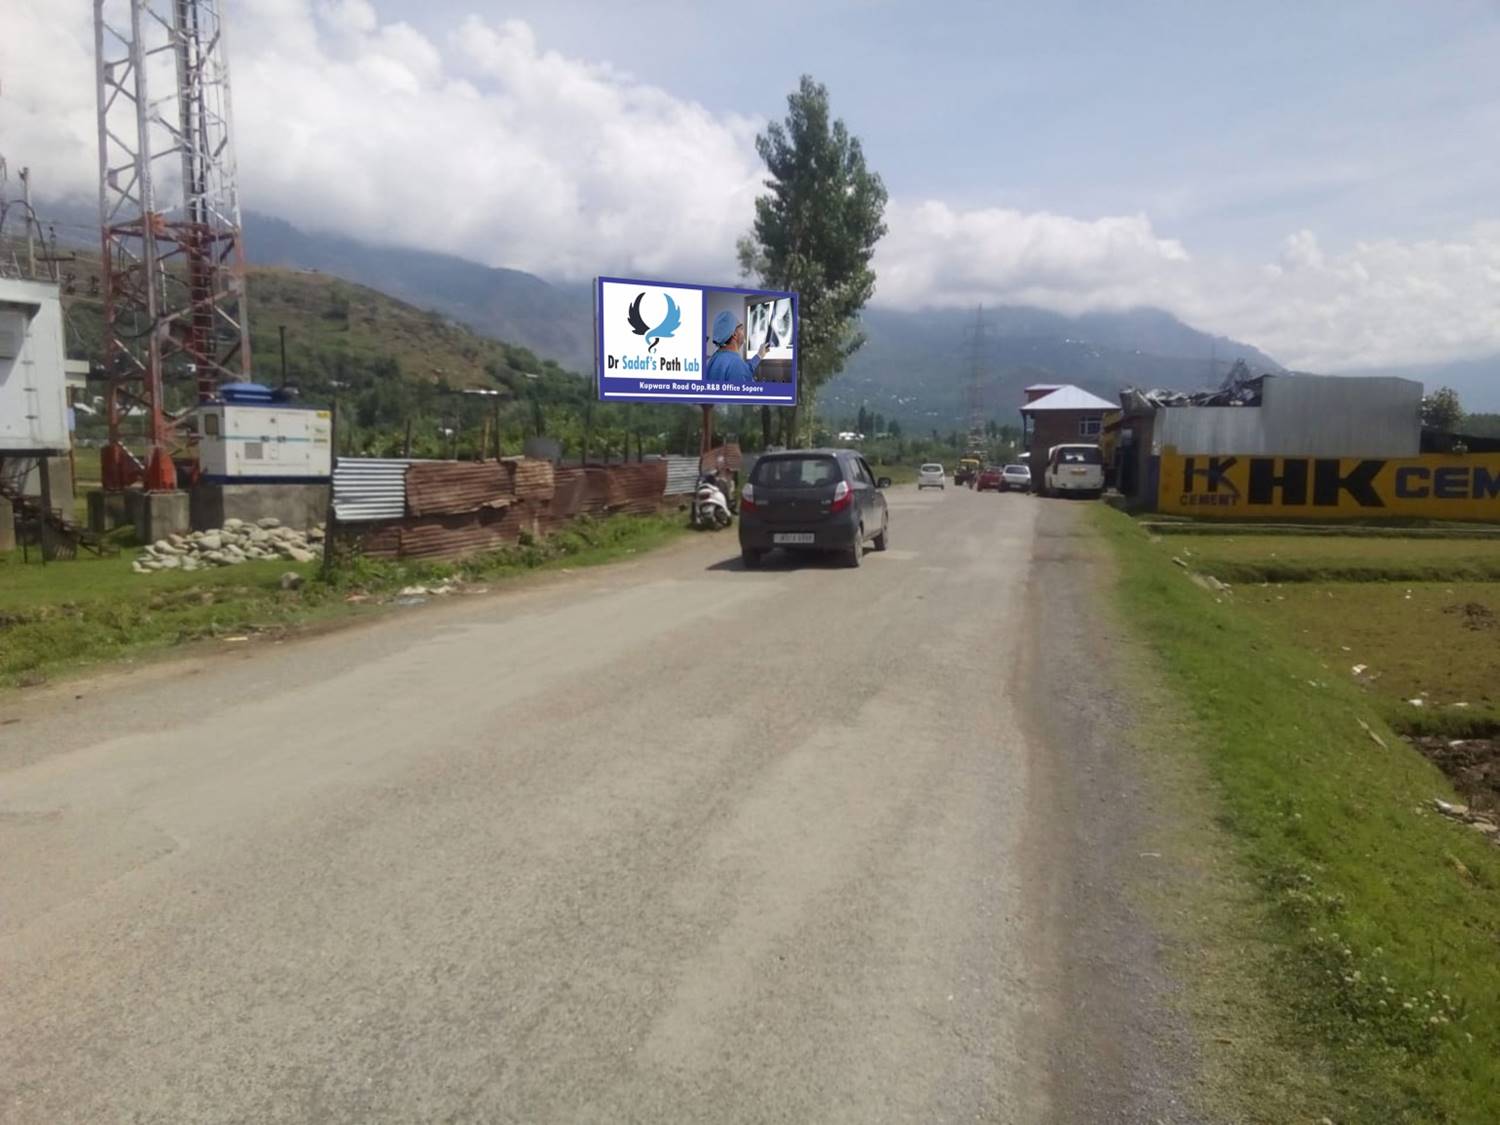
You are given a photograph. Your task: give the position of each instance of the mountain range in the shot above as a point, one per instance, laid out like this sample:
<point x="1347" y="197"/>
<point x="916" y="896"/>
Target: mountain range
<point x="916" y="365"/>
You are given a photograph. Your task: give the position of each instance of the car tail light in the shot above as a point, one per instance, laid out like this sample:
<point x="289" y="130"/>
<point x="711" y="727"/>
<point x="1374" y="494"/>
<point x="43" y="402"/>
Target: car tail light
<point x="843" y="495"/>
<point x="747" y="498"/>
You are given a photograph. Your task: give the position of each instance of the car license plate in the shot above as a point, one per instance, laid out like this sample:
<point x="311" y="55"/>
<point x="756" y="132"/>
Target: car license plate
<point x="1077" y="472"/>
<point x="792" y="538"/>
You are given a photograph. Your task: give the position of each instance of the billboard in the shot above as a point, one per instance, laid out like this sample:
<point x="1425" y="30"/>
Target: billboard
<point x="1436" y="486"/>
<point x="667" y="341"/>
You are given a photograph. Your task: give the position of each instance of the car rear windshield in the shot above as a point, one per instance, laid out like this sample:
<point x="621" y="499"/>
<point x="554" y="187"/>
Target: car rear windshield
<point x="1017" y="469"/>
<point x="1080" y="455"/>
<point x="796" y="472"/>
<point x="932" y="468"/>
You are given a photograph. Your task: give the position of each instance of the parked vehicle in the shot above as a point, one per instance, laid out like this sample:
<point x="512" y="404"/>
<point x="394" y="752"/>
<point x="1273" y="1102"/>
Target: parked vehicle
<point x="932" y="476"/>
<point x="1074" y="470"/>
<point x="710" y="505"/>
<point x="1015" y="478"/>
<point x="813" y="500"/>
<point x="988" y="480"/>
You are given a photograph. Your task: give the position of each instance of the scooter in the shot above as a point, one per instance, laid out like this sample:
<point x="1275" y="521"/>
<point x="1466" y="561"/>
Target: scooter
<point x="710" y="507"/>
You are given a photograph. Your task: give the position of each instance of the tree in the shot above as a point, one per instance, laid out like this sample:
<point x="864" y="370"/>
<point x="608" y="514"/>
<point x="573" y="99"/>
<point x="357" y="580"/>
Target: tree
<point x="815" y="233"/>
<point x="862" y="423"/>
<point x="895" y="430"/>
<point x="1482" y="425"/>
<point x="1441" y="410"/>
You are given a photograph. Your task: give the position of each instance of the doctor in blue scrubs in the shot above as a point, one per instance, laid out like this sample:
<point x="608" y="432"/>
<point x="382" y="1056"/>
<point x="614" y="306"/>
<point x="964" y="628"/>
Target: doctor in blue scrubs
<point x="726" y="366"/>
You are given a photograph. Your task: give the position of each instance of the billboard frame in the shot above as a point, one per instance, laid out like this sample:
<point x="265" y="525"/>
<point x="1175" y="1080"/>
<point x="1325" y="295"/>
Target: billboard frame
<point x="788" y="397"/>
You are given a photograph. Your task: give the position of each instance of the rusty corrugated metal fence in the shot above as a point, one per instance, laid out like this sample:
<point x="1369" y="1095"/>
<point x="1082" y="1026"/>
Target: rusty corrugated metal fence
<point x="447" y="509"/>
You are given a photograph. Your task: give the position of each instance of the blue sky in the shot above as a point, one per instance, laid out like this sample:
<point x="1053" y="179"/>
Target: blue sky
<point x="1319" y="179"/>
<point x="1230" y="124"/>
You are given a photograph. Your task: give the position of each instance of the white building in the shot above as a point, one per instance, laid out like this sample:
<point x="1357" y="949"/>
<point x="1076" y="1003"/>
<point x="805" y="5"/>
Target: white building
<point x="33" y="371"/>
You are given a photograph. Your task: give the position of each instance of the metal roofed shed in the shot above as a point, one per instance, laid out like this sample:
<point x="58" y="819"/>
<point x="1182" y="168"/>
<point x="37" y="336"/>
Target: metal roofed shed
<point x="1068" y="398"/>
<point x="1289" y="416"/>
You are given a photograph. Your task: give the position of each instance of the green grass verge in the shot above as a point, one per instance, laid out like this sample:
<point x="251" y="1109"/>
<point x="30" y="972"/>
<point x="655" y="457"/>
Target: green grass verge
<point x="1377" y="941"/>
<point x="1288" y="558"/>
<point x="899" y="474"/>
<point x="68" y="615"/>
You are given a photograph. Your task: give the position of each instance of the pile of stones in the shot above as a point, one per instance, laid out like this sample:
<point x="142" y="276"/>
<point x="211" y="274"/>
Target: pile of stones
<point x="236" y="542"/>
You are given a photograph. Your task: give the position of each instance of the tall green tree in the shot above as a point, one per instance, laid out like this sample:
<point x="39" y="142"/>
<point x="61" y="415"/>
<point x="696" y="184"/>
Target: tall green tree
<point x="815" y="232"/>
<point x="1441" y="410"/>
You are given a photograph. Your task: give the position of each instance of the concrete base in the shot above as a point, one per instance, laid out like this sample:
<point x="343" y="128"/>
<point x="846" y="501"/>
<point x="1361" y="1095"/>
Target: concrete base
<point x="295" y="505"/>
<point x="107" y="510"/>
<point x="7" y="526"/>
<point x="158" y="514"/>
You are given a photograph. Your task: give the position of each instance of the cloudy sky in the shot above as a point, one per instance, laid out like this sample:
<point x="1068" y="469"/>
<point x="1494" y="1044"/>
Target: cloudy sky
<point x="1321" y="180"/>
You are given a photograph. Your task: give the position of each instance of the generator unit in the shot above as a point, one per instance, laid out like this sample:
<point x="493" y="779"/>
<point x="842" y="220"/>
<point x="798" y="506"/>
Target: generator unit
<point x="254" y="437"/>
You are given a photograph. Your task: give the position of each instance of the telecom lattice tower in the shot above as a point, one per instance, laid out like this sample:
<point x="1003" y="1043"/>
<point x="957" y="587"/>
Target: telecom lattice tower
<point x="974" y="395"/>
<point x="174" y="265"/>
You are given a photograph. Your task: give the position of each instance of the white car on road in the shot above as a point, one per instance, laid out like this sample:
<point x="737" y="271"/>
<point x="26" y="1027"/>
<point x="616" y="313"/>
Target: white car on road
<point x="1015" y="478"/>
<point x="1074" y="470"/>
<point x="931" y="476"/>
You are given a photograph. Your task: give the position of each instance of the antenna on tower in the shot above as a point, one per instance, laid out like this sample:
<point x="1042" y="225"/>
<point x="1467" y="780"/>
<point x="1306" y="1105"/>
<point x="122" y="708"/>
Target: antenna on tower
<point x="173" y="261"/>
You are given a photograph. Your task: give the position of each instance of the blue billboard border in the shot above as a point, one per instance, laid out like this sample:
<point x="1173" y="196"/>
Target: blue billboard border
<point x="601" y="395"/>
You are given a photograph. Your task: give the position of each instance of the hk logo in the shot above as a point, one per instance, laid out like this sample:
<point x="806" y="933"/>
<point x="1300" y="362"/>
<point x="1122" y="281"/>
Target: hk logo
<point x="669" y="323"/>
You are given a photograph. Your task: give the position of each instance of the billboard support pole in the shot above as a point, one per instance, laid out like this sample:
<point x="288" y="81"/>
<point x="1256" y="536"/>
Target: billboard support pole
<point x="706" y="442"/>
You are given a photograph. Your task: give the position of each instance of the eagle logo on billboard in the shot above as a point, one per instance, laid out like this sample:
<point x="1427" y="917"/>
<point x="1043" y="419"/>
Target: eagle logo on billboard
<point x="669" y="323"/>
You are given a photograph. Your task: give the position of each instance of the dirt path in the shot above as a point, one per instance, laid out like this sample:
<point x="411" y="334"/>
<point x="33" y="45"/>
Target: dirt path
<point x="666" y="841"/>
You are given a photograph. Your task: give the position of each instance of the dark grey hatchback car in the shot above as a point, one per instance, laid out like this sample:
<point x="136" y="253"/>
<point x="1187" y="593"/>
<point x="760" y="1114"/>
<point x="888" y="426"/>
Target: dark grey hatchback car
<point x="813" y="500"/>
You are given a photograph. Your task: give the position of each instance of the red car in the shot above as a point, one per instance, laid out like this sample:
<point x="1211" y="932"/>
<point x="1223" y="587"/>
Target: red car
<point x="988" y="479"/>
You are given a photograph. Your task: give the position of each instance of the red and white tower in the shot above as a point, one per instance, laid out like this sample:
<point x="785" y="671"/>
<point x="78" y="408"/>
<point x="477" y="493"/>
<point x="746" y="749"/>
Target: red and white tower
<point x="174" y="264"/>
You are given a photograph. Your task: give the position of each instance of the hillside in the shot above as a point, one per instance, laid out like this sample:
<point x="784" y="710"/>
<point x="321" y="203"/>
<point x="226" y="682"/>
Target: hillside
<point x="554" y="321"/>
<point x="337" y="330"/>
<point x="914" y="366"/>
<point x="917" y="366"/>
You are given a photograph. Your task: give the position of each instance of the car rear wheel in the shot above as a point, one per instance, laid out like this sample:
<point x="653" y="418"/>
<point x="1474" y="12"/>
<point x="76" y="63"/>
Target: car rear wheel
<point x="856" y="555"/>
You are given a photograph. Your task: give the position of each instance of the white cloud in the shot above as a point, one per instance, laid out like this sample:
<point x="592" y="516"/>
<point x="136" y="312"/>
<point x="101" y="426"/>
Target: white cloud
<point x="490" y="146"/>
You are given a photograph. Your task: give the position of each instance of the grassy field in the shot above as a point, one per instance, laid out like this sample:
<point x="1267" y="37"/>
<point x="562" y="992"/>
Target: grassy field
<point x="1376" y="923"/>
<point x="64" y="616"/>
<point x="1299" y="558"/>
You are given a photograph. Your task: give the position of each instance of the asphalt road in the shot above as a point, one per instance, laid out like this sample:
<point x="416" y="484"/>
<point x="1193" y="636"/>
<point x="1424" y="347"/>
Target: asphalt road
<point x="664" y="841"/>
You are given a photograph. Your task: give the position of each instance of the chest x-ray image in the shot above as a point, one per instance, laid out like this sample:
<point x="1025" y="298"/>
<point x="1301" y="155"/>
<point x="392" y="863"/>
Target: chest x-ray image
<point x="769" y="323"/>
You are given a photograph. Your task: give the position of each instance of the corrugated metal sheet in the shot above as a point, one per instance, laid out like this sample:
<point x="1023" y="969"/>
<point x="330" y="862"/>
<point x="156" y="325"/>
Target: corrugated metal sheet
<point x="596" y="490"/>
<point x="1303" y="416"/>
<point x="535" y="480"/>
<point x="636" y="489"/>
<point x="723" y="458"/>
<point x="452" y="536"/>
<point x="682" y="475"/>
<point x="449" y="487"/>
<point x="369" y="488"/>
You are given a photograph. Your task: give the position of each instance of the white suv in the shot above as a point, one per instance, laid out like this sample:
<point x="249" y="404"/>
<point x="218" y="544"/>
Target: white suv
<point x="931" y="476"/>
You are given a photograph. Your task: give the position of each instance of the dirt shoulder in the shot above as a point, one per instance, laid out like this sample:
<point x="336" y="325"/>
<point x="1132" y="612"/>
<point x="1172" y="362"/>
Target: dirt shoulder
<point x="1118" y="1045"/>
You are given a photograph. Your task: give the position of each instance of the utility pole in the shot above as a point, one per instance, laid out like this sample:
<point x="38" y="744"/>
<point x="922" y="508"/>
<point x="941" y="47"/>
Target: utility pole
<point x="30" y="225"/>
<point x="975" y="394"/>
<point x="281" y="328"/>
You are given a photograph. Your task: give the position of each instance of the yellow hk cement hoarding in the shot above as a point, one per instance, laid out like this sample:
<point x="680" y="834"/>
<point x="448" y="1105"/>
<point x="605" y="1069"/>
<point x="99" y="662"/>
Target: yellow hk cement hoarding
<point x="1432" y="486"/>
